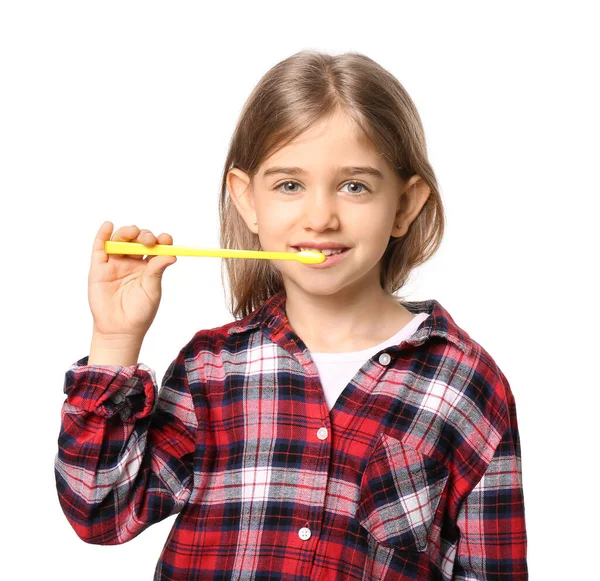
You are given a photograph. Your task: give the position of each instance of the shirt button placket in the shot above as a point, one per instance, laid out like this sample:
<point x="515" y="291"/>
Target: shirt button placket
<point x="305" y="533"/>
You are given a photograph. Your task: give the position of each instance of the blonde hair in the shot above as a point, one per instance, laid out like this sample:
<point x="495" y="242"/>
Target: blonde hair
<point x="293" y="95"/>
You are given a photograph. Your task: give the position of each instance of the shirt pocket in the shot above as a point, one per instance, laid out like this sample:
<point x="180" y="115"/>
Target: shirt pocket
<point x="400" y="491"/>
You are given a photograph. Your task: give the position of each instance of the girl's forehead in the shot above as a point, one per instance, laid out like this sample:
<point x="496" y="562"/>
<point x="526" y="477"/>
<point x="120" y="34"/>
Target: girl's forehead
<point x="332" y="142"/>
<point x="341" y="150"/>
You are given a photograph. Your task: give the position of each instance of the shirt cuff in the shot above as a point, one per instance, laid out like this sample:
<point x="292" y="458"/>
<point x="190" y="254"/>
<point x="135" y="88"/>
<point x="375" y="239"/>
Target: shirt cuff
<point x="110" y="389"/>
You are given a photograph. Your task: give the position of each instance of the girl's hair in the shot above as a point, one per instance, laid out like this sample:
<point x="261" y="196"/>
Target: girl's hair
<point x="293" y="95"/>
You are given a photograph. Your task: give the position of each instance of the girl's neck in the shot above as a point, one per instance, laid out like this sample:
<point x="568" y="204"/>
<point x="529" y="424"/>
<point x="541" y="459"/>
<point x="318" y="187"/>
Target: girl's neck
<point x="330" y="325"/>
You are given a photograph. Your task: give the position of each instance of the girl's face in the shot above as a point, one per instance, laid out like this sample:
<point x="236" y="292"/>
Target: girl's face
<point x="320" y="201"/>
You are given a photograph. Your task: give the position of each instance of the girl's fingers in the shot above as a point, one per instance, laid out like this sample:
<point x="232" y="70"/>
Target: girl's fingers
<point x="129" y="234"/>
<point x="146" y="237"/>
<point x="103" y="234"/>
<point x="165" y="238"/>
<point x="125" y="234"/>
<point x="161" y="239"/>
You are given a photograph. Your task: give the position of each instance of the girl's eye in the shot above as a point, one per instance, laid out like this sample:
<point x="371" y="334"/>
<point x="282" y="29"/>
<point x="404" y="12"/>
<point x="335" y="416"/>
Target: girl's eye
<point x="353" y="183"/>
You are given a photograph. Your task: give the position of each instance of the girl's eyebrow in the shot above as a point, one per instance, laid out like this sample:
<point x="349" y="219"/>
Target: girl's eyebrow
<point x="349" y="170"/>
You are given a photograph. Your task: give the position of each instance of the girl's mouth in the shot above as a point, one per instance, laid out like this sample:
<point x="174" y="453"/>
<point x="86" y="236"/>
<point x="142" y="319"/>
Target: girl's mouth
<point x="330" y="259"/>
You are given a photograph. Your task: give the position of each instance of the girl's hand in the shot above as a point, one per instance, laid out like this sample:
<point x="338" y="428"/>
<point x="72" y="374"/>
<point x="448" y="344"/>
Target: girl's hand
<point x="124" y="290"/>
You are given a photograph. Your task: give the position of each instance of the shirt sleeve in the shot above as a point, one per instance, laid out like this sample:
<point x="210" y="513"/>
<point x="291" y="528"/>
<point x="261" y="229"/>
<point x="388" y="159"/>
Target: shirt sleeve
<point x="125" y="456"/>
<point x="493" y="544"/>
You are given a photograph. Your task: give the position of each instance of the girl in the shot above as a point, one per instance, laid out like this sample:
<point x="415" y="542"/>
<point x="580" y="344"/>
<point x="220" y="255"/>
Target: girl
<point x="331" y="431"/>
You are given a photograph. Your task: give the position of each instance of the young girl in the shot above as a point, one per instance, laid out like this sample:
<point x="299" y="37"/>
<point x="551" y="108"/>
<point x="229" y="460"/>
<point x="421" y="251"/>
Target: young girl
<point x="331" y="431"/>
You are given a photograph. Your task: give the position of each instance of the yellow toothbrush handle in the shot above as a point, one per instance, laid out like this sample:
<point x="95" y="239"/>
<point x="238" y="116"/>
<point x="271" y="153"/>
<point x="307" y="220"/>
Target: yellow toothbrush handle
<point x="115" y="247"/>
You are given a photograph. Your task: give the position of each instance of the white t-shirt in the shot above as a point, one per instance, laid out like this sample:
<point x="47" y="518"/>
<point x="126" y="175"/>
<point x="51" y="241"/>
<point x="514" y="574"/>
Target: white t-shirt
<point x="337" y="369"/>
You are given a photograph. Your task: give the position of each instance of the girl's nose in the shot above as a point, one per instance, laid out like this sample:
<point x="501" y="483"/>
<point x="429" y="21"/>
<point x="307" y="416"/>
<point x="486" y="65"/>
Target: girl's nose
<point x="321" y="210"/>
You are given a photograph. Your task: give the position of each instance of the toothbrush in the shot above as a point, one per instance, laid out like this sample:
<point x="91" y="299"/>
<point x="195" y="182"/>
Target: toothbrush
<point x="115" y="247"/>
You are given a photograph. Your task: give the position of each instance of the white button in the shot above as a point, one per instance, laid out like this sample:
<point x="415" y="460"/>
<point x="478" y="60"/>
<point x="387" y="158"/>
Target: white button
<point x="304" y="533"/>
<point x="384" y="358"/>
<point x="322" y="433"/>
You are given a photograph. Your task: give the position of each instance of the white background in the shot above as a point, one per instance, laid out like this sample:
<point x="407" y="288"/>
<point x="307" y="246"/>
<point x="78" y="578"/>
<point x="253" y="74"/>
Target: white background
<point x="123" y="111"/>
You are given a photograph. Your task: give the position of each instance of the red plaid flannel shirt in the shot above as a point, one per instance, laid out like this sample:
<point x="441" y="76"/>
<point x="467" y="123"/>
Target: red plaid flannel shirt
<point x="415" y="473"/>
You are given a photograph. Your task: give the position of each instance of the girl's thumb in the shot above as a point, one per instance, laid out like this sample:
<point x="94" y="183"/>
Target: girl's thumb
<point x="158" y="264"/>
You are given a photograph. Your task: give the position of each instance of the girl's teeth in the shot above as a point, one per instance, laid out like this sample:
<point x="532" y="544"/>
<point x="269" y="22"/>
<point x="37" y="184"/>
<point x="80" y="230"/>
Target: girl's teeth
<point x="327" y="251"/>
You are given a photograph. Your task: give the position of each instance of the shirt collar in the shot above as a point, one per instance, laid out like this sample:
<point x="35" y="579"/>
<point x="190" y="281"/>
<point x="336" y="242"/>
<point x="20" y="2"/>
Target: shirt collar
<point x="271" y="316"/>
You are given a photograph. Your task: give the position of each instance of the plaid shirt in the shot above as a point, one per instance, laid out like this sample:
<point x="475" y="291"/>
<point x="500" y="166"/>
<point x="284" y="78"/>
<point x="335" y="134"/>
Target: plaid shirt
<point x="415" y="473"/>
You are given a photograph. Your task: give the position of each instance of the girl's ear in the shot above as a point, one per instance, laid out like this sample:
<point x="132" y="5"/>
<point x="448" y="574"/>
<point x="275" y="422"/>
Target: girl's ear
<point x="413" y="198"/>
<point x="240" y="189"/>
